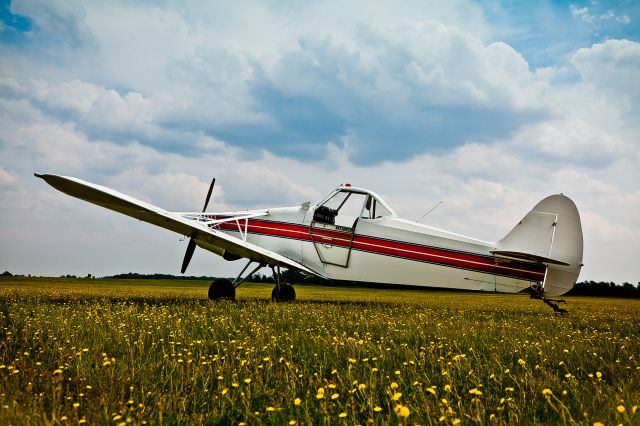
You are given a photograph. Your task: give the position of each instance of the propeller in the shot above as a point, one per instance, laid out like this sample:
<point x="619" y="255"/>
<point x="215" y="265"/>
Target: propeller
<point x="191" y="247"/>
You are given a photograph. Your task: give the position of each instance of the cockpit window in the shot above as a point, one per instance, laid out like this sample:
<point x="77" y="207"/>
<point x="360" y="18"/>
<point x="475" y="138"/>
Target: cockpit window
<point x="373" y="209"/>
<point x="344" y="207"/>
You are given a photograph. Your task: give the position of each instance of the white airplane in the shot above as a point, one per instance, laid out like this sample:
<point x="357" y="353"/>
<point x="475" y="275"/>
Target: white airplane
<point x="354" y="235"/>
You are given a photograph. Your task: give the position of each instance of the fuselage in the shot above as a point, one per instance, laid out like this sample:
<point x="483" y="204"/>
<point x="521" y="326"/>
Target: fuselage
<point x="385" y="249"/>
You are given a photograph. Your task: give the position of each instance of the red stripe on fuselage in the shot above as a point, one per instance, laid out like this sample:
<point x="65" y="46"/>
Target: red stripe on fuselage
<point x="404" y="250"/>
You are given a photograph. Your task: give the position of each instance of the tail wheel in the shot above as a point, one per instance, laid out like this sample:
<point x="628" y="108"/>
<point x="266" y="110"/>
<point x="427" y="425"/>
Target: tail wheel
<point x="286" y="294"/>
<point x="222" y="288"/>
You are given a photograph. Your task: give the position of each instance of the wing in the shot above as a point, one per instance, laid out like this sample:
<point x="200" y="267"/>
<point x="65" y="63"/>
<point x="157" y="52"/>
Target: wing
<point x="208" y="238"/>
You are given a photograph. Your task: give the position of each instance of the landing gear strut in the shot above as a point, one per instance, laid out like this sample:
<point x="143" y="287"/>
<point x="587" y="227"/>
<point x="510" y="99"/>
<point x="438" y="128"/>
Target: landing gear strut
<point x="537" y="293"/>
<point x="282" y="292"/>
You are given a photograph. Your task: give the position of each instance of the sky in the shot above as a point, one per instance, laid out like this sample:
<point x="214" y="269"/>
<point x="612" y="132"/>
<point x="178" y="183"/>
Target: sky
<point x="486" y="107"/>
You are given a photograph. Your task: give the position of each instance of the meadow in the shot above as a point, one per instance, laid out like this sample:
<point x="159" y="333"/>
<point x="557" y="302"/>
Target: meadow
<point x="118" y="352"/>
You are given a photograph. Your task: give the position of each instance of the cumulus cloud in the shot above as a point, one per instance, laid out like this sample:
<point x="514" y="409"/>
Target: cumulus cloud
<point x="55" y="23"/>
<point x="612" y="69"/>
<point x="417" y="88"/>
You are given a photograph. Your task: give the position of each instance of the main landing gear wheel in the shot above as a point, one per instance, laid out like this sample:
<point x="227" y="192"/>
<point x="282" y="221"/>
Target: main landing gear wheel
<point x="222" y="288"/>
<point x="286" y="294"/>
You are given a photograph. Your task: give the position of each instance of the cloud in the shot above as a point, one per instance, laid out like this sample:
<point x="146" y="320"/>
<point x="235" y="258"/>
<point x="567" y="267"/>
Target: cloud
<point x="55" y="23"/>
<point x="612" y="69"/>
<point x="593" y="18"/>
<point x="418" y="88"/>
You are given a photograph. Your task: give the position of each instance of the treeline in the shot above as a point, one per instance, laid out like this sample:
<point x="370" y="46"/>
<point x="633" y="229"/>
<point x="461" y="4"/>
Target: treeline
<point x="136" y="276"/>
<point x="606" y="289"/>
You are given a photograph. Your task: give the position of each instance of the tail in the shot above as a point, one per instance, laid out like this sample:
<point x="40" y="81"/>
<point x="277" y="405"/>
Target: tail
<point x="550" y="234"/>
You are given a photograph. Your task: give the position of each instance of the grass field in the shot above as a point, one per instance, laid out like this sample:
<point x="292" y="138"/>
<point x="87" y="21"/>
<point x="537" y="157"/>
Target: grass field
<point x="112" y="352"/>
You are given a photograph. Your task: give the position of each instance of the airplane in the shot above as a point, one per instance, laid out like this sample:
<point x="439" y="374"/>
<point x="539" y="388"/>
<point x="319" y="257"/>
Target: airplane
<point x="354" y="235"/>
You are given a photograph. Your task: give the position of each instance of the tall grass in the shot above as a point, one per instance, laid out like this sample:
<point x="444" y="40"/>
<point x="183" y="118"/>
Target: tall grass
<point x="75" y="351"/>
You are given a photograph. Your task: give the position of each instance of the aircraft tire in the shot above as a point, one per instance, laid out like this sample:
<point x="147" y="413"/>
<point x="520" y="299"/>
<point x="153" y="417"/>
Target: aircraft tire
<point x="286" y="294"/>
<point x="222" y="288"/>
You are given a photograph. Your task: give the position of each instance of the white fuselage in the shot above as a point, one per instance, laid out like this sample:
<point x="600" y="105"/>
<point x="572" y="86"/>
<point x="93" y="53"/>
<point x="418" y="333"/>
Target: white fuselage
<point x="386" y="250"/>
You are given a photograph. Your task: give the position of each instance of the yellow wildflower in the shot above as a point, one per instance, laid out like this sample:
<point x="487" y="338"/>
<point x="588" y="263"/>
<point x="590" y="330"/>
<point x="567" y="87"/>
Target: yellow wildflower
<point x="402" y="410"/>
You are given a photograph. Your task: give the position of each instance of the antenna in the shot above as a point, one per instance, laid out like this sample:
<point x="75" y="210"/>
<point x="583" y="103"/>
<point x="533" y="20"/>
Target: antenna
<point x="430" y="210"/>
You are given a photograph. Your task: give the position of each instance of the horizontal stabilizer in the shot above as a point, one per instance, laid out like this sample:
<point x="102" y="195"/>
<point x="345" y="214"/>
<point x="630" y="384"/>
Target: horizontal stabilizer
<point x="528" y="257"/>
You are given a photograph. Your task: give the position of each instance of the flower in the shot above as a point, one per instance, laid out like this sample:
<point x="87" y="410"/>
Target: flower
<point x="342" y="415"/>
<point x="297" y="401"/>
<point x="402" y="410"/>
<point x="620" y="408"/>
<point x="396" y="396"/>
<point x="394" y="385"/>
<point x="547" y="392"/>
<point x="377" y="409"/>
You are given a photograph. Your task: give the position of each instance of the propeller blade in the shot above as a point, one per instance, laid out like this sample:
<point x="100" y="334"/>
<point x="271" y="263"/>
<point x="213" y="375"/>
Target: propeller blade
<point x="206" y="201"/>
<point x="187" y="256"/>
<point x="192" y="244"/>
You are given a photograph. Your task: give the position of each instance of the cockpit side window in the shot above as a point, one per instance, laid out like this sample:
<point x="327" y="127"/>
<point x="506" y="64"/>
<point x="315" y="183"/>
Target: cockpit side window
<point x="373" y="209"/>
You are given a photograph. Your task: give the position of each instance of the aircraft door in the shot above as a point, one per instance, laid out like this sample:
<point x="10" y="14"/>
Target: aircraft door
<point x="333" y="226"/>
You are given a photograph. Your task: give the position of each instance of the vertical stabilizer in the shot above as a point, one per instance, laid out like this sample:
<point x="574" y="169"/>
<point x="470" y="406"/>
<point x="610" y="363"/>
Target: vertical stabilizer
<point x="551" y="234"/>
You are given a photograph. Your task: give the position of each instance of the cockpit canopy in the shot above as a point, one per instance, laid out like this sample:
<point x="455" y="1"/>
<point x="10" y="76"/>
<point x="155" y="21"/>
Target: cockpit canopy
<point x="346" y="204"/>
